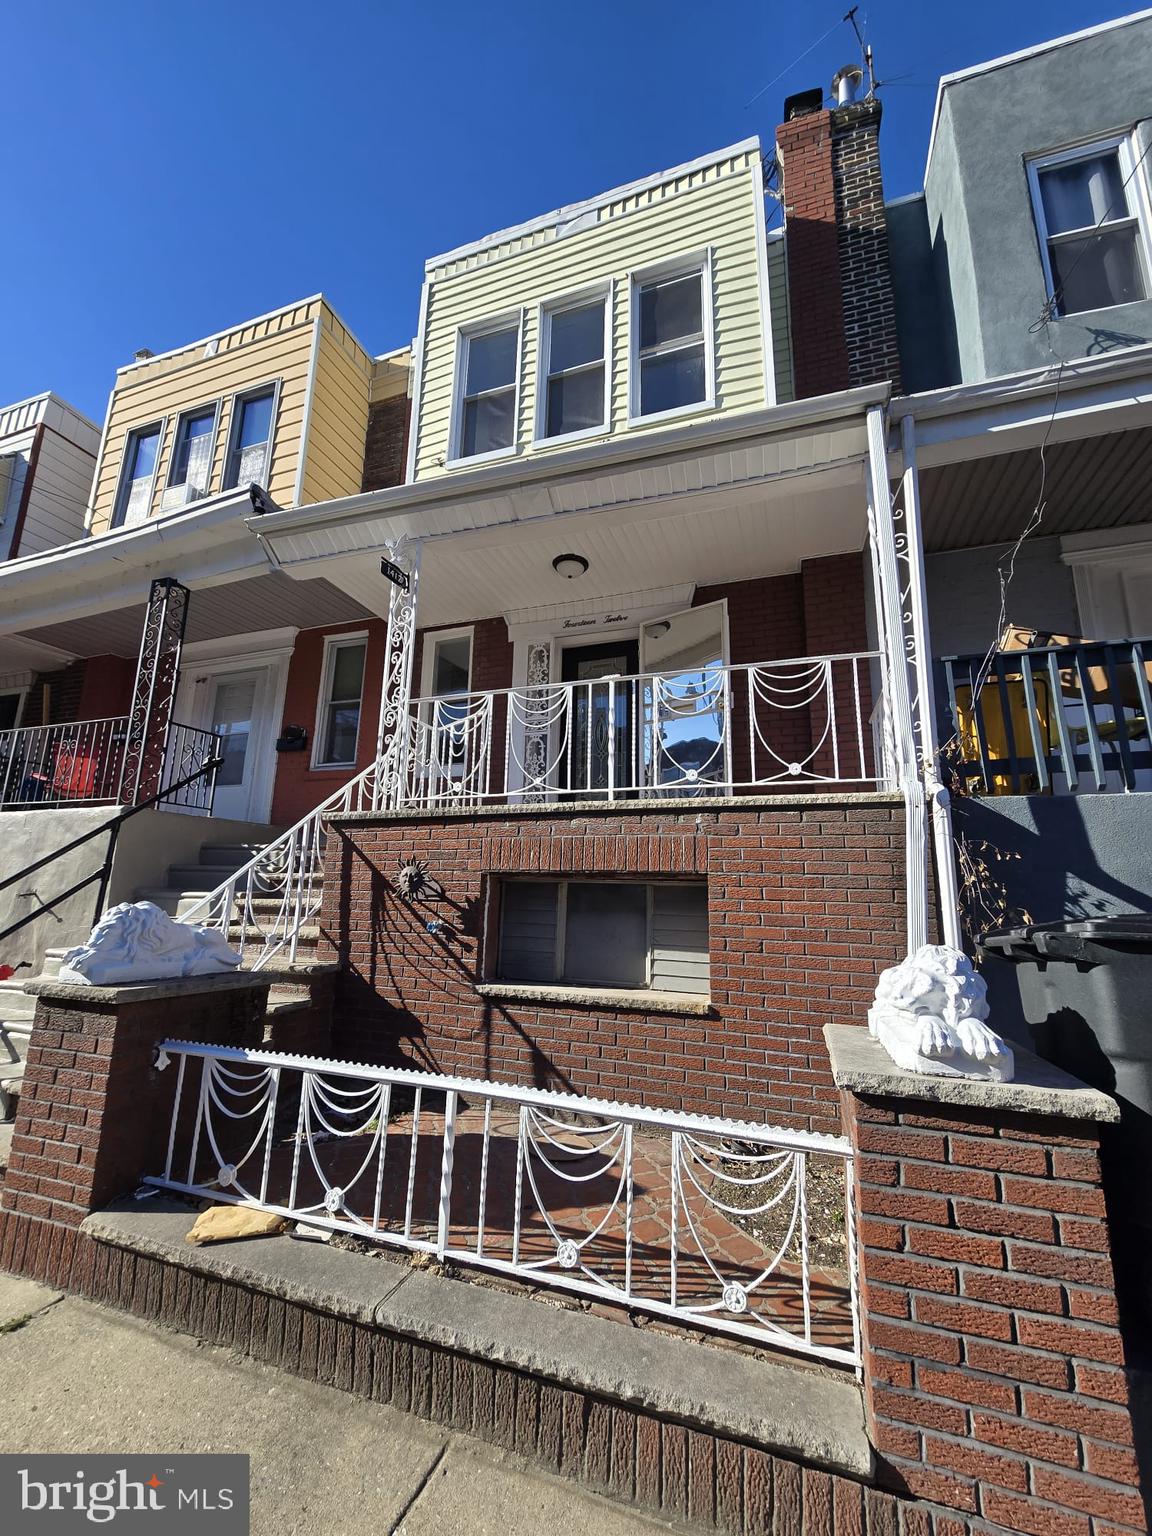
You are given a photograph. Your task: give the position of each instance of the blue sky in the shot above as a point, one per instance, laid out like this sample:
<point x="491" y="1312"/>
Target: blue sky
<point x="177" y="169"/>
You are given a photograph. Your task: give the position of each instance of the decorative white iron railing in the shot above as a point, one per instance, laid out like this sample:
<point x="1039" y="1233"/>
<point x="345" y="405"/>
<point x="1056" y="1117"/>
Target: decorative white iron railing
<point x="75" y="764"/>
<point x="710" y="730"/>
<point x="264" y="906"/>
<point x="707" y="1221"/>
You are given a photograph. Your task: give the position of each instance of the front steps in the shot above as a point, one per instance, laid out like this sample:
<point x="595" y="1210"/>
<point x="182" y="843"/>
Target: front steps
<point x="17" y="1011"/>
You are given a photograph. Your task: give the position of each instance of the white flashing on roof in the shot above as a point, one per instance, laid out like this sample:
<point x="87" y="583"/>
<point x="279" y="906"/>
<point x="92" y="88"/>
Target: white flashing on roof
<point x="573" y="210"/>
<point x="240" y="325"/>
<point x="1016" y="58"/>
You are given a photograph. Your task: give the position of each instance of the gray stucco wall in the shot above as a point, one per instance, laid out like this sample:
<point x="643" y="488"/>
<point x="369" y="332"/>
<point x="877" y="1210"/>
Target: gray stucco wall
<point x="983" y="236"/>
<point x="1062" y="857"/>
<point x="964" y="595"/>
<point x="927" y="359"/>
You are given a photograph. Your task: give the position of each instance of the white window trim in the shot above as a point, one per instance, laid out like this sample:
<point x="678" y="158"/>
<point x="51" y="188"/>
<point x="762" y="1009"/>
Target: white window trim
<point x="251" y="392"/>
<point x="505" y="322"/>
<point x="604" y="293"/>
<point x="196" y="410"/>
<point x="432" y="638"/>
<point x="1136" y="192"/>
<point x="680" y="266"/>
<point x="120" y="504"/>
<point x="332" y="644"/>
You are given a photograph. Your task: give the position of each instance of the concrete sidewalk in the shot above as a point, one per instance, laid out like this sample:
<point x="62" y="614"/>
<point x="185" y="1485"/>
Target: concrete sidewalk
<point x="76" y="1377"/>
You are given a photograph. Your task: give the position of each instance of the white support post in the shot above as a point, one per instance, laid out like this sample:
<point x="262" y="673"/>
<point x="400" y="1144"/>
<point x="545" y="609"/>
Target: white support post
<point x="928" y="735"/>
<point x="899" y="645"/>
<point x="394" y="730"/>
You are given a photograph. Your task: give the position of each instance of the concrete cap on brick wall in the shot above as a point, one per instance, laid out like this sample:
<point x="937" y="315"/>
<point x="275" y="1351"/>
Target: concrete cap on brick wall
<point x="862" y="1066"/>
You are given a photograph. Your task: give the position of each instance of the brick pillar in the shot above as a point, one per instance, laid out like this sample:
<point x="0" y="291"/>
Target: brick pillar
<point x="993" y="1361"/>
<point x="869" y="303"/>
<point x="94" y="1112"/>
<point x="815" y="302"/>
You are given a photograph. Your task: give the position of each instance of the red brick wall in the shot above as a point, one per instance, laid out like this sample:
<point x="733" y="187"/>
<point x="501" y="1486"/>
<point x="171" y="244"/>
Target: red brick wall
<point x="299" y="787"/>
<point x="106" y="689"/>
<point x="386" y="443"/>
<point x="994" y="1366"/>
<point x="819" y="350"/>
<point x="805" y="908"/>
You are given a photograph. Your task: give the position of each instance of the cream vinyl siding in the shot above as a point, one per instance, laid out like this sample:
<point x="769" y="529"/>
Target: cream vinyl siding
<point x="334" y="452"/>
<point x="713" y="208"/>
<point x="61" y="481"/>
<point x="275" y="349"/>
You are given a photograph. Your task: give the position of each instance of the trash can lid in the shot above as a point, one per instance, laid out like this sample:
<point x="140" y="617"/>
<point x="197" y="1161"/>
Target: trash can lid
<point x="1071" y="940"/>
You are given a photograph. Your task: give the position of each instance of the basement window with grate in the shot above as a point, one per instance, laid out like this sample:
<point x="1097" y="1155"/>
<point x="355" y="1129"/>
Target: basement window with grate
<point x="645" y="935"/>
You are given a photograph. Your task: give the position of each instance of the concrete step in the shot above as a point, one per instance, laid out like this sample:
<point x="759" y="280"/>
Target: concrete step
<point x="233" y="855"/>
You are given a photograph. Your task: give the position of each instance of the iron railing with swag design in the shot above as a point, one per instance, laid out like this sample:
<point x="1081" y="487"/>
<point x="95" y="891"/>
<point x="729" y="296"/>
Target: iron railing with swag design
<point x="709" y="730"/>
<point x="738" y="1228"/>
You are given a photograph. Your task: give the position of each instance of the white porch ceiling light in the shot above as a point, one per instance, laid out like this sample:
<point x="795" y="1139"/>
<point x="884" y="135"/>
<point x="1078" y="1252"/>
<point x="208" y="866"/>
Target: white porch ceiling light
<point x="570" y="566"/>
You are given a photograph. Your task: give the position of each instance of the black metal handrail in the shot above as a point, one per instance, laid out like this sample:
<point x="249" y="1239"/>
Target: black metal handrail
<point x="1052" y="718"/>
<point x="104" y="872"/>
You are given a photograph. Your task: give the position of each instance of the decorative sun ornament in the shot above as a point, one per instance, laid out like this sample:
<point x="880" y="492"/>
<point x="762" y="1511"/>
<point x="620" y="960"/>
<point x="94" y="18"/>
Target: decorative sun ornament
<point x="415" y="883"/>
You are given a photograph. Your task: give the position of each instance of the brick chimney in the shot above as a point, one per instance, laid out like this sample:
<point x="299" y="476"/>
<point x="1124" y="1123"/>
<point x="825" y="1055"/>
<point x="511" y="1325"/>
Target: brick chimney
<point x="841" y="303"/>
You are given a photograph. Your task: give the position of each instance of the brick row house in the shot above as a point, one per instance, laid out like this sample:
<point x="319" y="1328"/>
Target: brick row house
<point x="580" y="688"/>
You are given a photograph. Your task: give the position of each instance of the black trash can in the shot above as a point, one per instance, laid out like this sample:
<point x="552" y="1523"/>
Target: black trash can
<point x="1086" y="993"/>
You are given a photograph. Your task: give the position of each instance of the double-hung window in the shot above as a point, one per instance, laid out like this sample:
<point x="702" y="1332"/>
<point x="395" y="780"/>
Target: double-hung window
<point x="671" y="343"/>
<point x="489" y="370"/>
<point x="1094" y="237"/>
<point x="134" y="500"/>
<point x="251" y="438"/>
<point x="191" y="465"/>
<point x="651" y="935"/>
<point x="341" y="689"/>
<point x="573" y="349"/>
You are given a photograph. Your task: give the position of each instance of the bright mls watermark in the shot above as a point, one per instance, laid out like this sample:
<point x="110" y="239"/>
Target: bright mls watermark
<point x="46" y="1495"/>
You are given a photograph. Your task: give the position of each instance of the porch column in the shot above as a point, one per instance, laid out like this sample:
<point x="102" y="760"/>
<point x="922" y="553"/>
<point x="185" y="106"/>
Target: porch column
<point x="901" y="643"/>
<point x="393" y="737"/>
<point x="156" y="676"/>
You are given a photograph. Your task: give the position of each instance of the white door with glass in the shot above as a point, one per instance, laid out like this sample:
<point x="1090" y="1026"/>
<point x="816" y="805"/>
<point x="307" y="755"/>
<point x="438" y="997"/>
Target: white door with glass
<point x="685" y="700"/>
<point x="234" y="716"/>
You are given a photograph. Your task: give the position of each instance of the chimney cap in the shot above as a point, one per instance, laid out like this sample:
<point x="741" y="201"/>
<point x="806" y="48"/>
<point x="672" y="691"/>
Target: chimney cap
<point x="142" y="355"/>
<point x="803" y="104"/>
<point x="846" y="83"/>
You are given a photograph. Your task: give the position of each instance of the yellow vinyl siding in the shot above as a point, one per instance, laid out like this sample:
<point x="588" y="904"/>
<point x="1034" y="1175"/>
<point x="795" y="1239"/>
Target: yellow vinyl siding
<point x="334" y="452"/>
<point x="712" y="208"/>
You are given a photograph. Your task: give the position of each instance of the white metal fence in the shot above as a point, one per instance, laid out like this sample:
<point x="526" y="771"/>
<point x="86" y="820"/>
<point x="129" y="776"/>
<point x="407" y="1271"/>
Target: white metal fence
<point x="708" y="730"/>
<point x="706" y="1221"/>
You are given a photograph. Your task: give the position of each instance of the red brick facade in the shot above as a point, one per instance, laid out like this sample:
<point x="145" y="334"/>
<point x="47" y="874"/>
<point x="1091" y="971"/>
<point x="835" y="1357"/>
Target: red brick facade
<point x="386" y="443"/>
<point x="994" y="1366"/>
<point x="806" y="906"/>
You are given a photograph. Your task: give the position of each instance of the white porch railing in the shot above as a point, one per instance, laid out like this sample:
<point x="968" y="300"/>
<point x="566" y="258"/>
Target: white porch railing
<point x="712" y="730"/>
<point x="702" y="1220"/>
<point x="75" y="764"/>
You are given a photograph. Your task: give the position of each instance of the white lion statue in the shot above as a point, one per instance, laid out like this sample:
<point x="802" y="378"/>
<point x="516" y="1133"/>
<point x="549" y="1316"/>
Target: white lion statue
<point x="138" y="941"/>
<point x="929" y="1016"/>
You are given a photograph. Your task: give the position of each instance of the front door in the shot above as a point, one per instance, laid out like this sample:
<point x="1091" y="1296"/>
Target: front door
<point x="233" y="715"/>
<point x="602" y="719"/>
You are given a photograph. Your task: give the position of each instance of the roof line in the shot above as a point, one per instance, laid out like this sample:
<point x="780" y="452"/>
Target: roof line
<point x="240" y="325"/>
<point x="1018" y="57"/>
<point x="573" y="210"/>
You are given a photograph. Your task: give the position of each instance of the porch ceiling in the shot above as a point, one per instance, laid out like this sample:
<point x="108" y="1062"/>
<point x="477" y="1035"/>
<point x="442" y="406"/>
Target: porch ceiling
<point x="1096" y="482"/>
<point x="733" y="535"/>
<point x="271" y="601"/>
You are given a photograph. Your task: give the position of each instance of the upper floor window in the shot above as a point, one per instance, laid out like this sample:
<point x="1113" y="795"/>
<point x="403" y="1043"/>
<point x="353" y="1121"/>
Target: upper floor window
<point x="251" y="438"/>
<point x="341" y="688"/>
<point x="671" y="342"/>
<point x="134" y="499"/>
<point x="489" y="366"/>
<point x="191" y="467"/>
<point x="1093" y="237"/>
<point x="573" y="347"/>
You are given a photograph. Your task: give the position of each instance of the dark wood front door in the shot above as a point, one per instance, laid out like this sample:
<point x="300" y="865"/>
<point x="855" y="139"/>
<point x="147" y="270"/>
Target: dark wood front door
<point x="595" y="708"/>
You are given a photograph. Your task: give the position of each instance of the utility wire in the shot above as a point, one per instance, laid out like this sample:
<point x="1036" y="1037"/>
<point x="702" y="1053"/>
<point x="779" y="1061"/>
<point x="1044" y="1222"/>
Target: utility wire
<point x="798" y="59"/>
